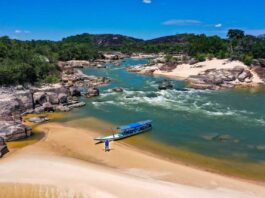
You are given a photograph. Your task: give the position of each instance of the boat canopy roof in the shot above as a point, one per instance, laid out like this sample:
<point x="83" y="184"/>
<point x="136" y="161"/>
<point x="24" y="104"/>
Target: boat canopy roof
<point x="134" y="125"/>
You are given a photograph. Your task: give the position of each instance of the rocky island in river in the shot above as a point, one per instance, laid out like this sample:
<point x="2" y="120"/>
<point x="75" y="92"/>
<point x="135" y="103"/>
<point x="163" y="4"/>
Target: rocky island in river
<point x="210" y="74"/>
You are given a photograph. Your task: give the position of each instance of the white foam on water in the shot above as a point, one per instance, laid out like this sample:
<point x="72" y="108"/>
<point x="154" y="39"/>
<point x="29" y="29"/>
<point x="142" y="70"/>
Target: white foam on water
<point x="191" y="102"/>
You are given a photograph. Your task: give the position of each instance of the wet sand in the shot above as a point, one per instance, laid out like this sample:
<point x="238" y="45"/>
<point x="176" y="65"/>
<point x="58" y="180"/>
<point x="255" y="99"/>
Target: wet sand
<point x="67" y="161"/>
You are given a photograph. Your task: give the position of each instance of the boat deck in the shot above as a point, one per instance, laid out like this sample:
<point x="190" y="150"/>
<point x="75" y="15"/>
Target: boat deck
<point x="128" y="131"/>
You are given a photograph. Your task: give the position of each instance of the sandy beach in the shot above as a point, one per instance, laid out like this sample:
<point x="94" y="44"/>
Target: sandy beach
<point x="67" y="163"/>
<point x="184" y="71"/>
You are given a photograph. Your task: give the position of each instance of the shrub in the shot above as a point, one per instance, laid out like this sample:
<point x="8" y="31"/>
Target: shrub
<point x="246" y="59"/>
<point x="201" y="57"/>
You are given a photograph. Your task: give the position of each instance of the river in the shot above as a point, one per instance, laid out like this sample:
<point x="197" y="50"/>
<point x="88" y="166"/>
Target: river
<point x="226" y="126"/>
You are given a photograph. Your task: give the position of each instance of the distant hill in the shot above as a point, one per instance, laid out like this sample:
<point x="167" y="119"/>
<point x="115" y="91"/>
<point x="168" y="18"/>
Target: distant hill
<point x="114" y="40"/>
<point x="174" y="39"/>
<point x="103" y="40"/>
<point x="262" y="36"/>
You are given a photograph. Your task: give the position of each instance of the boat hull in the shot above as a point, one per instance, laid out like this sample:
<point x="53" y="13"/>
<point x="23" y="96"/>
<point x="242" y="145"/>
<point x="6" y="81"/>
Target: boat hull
<point x="116" y="137"/>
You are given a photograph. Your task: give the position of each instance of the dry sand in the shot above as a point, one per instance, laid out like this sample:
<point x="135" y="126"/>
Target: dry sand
<point x="67" y="163"/>
<point x="184" y="71"/>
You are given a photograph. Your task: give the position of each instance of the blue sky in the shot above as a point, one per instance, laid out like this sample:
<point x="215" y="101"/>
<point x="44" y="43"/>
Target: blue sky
<point x="55" y="19"/>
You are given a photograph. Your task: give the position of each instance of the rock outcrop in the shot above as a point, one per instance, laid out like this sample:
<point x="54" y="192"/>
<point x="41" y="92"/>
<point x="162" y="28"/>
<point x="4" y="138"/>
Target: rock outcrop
<point x="15" y="103"/>
<point x="92" y="92"/>
<point x="146" y="69"/>
<point x="13" y="130"/>
<point x="79" y="79"/>
<point x="260" y="72"/>
<point x="77" y="105"/>
<point x="222" y="78"/>
<point x="73" y="64"/>
<point x="3" y="147"/>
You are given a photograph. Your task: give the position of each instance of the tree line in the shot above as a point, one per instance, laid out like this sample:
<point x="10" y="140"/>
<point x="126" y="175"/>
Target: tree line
<point x="36" y="61"/>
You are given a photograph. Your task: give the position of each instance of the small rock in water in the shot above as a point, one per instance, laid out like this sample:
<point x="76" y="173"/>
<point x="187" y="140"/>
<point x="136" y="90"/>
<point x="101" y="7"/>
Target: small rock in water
<point x="210" y="136"/>
<point x="92" y="92"/>
<point x="218" y="137"/>
<point x="260" y="147"/>
<point x="223" y="138"/>
<point x="165" y="84"/>
<point x="182" y="89"/>
<point x="39" y="119"/>
<point x="117" y="89"/>
<point x="77" y="105"/>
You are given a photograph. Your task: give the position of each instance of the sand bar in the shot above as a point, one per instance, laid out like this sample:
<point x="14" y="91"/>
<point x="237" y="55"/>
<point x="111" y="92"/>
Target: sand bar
<point x="68" y="160"/>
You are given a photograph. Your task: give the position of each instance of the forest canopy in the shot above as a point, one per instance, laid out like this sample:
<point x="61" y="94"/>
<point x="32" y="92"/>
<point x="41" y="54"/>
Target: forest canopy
<point x="36" y="61"/>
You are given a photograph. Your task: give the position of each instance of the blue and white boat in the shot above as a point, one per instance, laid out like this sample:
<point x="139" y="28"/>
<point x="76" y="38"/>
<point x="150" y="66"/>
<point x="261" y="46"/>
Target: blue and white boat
<point x="128" y="130"/>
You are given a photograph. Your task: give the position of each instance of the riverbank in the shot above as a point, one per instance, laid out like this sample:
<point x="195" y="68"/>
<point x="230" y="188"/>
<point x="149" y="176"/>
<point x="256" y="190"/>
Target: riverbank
<point x="68" y="161"/>
<point x="184" y="71"/>
<point x="210" y="74"/>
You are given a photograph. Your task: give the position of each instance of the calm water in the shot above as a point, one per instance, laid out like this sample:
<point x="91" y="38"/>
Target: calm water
<point x="184" y="119"/>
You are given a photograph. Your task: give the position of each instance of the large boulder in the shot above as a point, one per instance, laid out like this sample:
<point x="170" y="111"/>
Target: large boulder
<point x="25" y="100"/>
<point x="40" y="98"/>
<point x="61" y="108"/>
<point x="193" y="61"/>
<point x="229" y="78"/>
<point x="77" y="105"/>
<point x="261" y="62"/>
<point x="255" y="62"/>
<point x="74" y="91"/>
<point x="63" y="98"/>
<point x="237" y="70"/>
<point x="92" y="92"/>
<point x="9" y="107"/>
<point x="260" y="72"/>
<point x="48" y="107"/>
<point x="14" y="103"/>
<point x="10" y="131"/>
<point x="244" y="75"/>
<point x="56" y="88"/>
<point x="39" y="110"/>
<point x="3" y="147"/>
<point x="53" y="97"/>
<point x="77" y="64"/>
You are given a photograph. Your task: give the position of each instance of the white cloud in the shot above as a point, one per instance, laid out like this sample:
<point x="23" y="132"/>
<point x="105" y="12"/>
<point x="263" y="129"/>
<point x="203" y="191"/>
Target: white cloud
<point x="218" y="25"/>
<point x="147" y="1"/>
<point x="22" y="31"/>
<point x="18" y="31"/>
<point x="182" y="22"/>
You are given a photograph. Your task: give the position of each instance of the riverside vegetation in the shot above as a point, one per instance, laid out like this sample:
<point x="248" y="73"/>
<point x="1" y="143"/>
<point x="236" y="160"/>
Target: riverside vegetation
<point x="36" y="61"/>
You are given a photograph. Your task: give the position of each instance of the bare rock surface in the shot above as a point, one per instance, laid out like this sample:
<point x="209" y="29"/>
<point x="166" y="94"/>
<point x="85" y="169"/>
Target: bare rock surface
<point x="3" y="147"/>
<point x="62" y="97"/>
<point x="77" y="105"/>
<point x="221" y="78"/>
<point x="39" y="119"/>
<point x="14" y="103"/>
<point x="92" y="92"/>
<point x="13" y="130"/>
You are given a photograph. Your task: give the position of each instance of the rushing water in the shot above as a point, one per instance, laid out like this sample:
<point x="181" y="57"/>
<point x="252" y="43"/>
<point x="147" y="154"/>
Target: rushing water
<point x="184" y="119"/>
